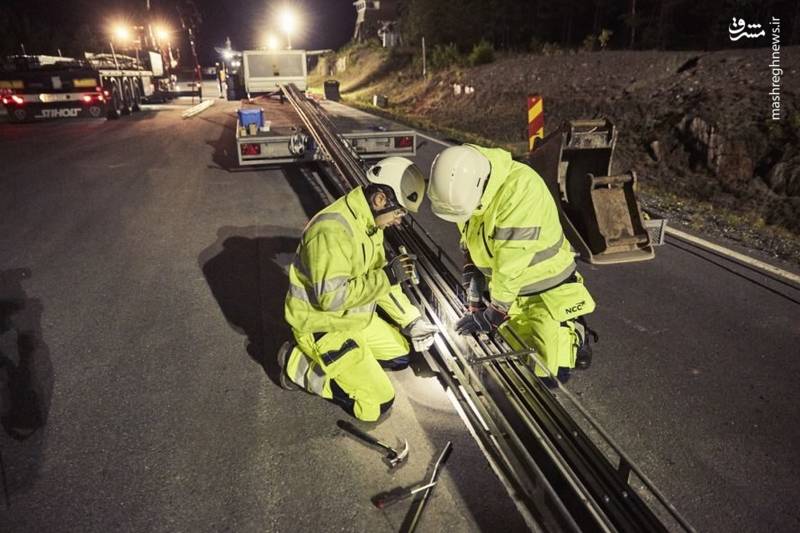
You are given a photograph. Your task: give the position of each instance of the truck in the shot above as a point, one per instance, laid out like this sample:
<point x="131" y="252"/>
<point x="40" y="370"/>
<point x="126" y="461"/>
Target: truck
<point x="36" y="87"/>
<point x="269" y="132"/>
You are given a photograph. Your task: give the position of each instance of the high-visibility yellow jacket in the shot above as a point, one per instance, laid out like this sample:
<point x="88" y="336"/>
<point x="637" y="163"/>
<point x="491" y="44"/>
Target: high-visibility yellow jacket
<point x="337" y="278"/>
<point x="515" y="237"/>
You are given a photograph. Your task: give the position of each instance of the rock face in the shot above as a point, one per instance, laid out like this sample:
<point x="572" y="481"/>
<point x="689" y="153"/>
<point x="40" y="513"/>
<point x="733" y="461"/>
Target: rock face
<point x="729" y="161"/>
<point x="784" y="177"/>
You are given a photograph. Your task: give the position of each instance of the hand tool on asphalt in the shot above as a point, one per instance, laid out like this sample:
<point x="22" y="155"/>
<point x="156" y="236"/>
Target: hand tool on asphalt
<point x="412" y="519"/>
<point x="395" y="457"/>
<point x="386" y="498"/>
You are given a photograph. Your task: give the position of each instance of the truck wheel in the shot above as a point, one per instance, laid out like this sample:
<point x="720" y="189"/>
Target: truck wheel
<point x="114" y="104"/>
<point x="136" y="101"/>
<point x="126" y="100"/>
<point x="18" y="114"/>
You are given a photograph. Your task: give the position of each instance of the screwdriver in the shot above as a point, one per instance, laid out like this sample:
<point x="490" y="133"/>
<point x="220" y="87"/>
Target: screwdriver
<point x="389" y="497"/>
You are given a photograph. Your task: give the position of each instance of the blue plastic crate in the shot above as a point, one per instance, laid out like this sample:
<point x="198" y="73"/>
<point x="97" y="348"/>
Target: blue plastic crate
<point x="253" y="115"/>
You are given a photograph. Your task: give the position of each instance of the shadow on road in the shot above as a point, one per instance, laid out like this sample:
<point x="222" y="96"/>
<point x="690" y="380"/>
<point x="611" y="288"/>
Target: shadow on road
<point x="224" y="156"/>
<point x="247" y="272"/>
<point x="26" y="384"/>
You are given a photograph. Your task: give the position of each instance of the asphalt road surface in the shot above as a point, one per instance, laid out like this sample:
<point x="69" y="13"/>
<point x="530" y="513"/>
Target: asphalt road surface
<point x="141" y="301"/>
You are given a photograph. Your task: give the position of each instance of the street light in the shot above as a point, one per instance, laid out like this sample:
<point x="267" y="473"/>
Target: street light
<point x="162" y="34"/>
<point x="288" y="22"/>
<point x="272" y="42"/>
<point x="121" y="33"/>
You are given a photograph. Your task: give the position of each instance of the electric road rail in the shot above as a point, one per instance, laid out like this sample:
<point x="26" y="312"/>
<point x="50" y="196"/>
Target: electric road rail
<point x="563" y="471"/>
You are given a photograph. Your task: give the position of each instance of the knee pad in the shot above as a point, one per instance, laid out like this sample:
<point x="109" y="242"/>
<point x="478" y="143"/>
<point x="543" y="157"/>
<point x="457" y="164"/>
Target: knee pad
<point x="398" y="363"/>
<point x="386" y="406"/>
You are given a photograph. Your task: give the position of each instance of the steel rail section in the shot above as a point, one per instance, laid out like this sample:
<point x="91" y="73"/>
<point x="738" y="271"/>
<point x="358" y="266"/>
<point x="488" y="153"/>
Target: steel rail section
<point x="556" y="474"/>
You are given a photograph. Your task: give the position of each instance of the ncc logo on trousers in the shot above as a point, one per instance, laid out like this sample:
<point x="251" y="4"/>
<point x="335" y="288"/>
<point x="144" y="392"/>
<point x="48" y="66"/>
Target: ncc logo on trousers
<point x="575" y="308"/>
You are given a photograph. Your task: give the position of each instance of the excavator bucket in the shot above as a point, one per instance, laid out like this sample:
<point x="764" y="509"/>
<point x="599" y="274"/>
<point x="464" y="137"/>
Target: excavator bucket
<point x="599" y="212"/>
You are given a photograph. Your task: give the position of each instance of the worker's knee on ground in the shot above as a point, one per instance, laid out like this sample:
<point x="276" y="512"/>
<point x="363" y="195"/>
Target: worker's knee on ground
<point x="385" y="406"/>
<point x="371" y="395"/>
<point x="370" y="411"/>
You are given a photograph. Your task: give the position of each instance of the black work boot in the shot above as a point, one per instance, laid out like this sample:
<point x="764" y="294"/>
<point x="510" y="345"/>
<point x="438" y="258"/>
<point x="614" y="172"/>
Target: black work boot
<point x="283" y="359"/>
<point x="583" y="358"/>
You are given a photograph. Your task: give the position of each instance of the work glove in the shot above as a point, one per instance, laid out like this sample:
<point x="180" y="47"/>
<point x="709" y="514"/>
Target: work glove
<point x="468" y="273"/>
<point x="474" y="283"/>
<point x="401" y="268"/>
<point x="484" y="321"/>
<point x="422" y="333"/>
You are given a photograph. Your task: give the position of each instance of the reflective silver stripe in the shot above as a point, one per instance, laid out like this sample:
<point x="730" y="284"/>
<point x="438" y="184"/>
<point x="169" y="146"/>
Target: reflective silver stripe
<point x="547" y="253"/>
<point x="517" y="234"/>
<point x="301" y="293"/>
<point x="338" y="301"/>
<point x="316" y="380"/>
<point x="300" y="266"/>
<point x="369" y="308"/>
<point x="302" y="367"/>
<point x="330" y="216"/>
<point x="543" y="285"/>
<point x="331" y="284"/>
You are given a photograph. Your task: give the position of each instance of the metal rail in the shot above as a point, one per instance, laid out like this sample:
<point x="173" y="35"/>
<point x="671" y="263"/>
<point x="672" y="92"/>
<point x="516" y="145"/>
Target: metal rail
<point x="556" y="474"/>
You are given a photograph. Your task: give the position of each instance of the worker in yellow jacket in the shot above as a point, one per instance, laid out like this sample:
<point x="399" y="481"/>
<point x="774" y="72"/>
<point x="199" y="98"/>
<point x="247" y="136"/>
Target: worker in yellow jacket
<point x="339" y="277"/>
<point x="515" y="248"/>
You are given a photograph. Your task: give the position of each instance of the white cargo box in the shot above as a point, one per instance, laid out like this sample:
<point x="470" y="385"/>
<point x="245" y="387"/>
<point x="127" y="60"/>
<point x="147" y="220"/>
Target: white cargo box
<point x="264" y="70"/>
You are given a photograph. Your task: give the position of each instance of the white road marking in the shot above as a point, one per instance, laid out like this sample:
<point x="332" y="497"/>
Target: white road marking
<point x="443" y="143"/>
<point x="734" y="255"/>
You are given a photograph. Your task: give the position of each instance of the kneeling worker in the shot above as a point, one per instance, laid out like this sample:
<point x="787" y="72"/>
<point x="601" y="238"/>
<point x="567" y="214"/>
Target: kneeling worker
<point x="338" y="278"/>
<point x="515" y="247"/>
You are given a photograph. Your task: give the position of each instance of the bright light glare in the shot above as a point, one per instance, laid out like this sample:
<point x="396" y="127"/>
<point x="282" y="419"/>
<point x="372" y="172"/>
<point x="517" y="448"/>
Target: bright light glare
<point x="227" y="55"/>
<point x="288" y="20"/>
<point x="121" y="33"/>
<point x="162" y="34"/>
<point x="272" y="42"/>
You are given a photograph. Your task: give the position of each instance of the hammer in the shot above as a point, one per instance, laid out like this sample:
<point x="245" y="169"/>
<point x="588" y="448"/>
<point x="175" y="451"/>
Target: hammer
<point x="393" y="459"/>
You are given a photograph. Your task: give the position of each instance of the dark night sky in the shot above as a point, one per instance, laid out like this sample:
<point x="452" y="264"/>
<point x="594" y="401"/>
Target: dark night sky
<point x="324" y="23"/>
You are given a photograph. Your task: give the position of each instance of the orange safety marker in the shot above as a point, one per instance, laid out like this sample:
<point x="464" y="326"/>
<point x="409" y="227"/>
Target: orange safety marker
<point x="535" y="119"/>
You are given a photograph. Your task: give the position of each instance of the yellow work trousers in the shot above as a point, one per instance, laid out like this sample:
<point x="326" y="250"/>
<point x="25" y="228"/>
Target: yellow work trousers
<point x="345" y="366"/>
<point x="542" y="322"/>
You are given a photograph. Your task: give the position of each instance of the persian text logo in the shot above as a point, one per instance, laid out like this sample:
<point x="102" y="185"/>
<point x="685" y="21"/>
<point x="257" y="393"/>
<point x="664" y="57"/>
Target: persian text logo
<point x="737" y="30"/>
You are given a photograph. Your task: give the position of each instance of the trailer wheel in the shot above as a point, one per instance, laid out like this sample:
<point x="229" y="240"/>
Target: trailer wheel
<point x="136" y="100"/>
<point x="18" y="114"/>
<point x="114" y="104"/>
<point x="127" y="98"/>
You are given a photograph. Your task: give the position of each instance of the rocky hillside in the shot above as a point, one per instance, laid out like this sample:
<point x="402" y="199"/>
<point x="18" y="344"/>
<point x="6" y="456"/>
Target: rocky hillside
<point x="696" y="126"/>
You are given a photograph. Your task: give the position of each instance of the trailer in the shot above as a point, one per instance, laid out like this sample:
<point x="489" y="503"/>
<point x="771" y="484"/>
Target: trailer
<point x="270" y="132"/>
<point x="96" y="86"/>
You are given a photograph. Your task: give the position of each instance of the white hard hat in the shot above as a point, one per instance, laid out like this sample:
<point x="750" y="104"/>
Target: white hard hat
<point x="403" y="177"/>
<point x="458" y="177"/>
